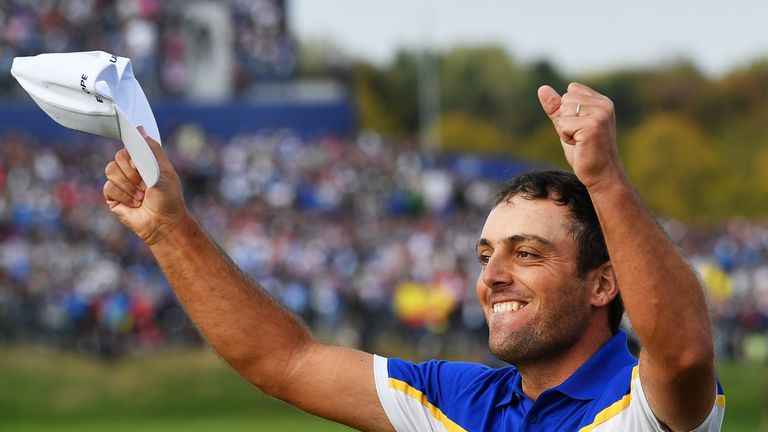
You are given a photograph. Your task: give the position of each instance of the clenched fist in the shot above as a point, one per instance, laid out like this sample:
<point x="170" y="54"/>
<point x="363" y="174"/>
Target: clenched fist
<point x="585" y="121"/>
<point x="153" y="212"/>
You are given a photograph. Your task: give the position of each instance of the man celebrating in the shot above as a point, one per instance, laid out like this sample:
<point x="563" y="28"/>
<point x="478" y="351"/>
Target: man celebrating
<point x="559" y="253"/>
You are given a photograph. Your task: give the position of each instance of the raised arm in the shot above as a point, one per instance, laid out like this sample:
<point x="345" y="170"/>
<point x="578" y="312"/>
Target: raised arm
<point x="250" y="330"/>
<point x="661" y="293"/>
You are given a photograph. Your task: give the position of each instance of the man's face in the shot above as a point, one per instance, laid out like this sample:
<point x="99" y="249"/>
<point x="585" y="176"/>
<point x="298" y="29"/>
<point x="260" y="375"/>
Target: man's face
<point x="534" y="301"/>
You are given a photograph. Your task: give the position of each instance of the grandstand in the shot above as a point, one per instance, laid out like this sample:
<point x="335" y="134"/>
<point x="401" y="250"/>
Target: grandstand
<point x="194" y="49"/>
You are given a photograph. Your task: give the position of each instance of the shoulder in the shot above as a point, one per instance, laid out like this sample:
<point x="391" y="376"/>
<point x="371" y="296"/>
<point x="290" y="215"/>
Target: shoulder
<point x="442" y="379"/>
<point x="437" y="394"/>
<point x="623" y="406"/>
<point x="615" y="399"/>
<point x="446" y="371"/>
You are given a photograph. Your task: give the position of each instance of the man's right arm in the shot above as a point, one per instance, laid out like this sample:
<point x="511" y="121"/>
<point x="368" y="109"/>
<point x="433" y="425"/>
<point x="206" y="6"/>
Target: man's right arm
<point x="250" y="330"/>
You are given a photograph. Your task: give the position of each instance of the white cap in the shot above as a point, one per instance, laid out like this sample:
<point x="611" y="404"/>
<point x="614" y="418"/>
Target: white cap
<point x="93" y="92"/>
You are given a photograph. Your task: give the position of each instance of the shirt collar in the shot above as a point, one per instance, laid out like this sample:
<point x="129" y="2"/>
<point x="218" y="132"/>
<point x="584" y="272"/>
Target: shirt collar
<point x="514" y="390"/>
<point x="588" y="381"/>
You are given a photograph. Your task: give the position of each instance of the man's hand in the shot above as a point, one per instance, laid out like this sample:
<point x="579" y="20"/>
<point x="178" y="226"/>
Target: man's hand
<point x="149" y="212"/>
<point x="585" y="122"/>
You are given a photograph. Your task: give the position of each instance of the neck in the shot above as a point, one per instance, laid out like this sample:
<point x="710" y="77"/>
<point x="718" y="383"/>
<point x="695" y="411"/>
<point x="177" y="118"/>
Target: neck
<point x="538" y="376"/>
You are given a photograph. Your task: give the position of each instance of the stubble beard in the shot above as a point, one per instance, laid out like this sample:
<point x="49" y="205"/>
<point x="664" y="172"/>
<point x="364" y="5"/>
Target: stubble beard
<point x="547" y="337"/>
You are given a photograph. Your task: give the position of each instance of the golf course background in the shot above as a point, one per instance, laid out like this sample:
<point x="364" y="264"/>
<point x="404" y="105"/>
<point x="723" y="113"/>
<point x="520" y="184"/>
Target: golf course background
<point x="195" y="391"/>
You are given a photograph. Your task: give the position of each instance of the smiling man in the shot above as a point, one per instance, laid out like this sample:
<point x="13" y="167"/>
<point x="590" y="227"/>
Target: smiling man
<point x="537" y="290"/>
<point x="559" y="253"/>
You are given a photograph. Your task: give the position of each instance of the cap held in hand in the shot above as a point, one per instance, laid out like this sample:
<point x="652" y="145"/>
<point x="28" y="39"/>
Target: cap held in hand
<point x="93" y="92"/>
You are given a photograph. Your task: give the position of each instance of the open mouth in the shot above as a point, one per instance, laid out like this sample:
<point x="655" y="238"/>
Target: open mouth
<point x="510" y="306"/>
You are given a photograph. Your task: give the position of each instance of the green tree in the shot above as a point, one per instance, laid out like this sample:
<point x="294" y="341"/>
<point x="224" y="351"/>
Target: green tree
<point x="626" y="88"/>
<point x="743" y="143"/>
<point x="484" y="82"/>
<point x="464" y="132"/>
<point x="543" y="145"/>
<point x="697" y="147"/>
<point x="676" y="168"/>
<point x="527" y="117"/>
<point x="676" y="87"/>
<point x="741" y="94"/>
<point x="322" y="58"/>
<point x="479" y="81"/>
<point x="373" y="110"/>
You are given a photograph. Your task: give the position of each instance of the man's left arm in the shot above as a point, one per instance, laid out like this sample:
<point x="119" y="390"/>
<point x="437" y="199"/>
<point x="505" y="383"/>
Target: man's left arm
<point x="661" y="293"/>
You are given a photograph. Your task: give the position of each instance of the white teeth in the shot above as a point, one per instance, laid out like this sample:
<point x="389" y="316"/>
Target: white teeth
<point x="511" y="306"/>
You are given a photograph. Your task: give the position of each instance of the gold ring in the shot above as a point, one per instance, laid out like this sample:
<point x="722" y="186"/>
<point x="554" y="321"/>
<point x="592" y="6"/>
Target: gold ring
<point x="578" y="110"/>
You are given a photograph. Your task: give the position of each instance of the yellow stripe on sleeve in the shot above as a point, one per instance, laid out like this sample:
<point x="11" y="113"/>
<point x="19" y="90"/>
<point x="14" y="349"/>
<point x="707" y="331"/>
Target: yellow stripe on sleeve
<point x="620" y="405"/>
<point x="720" y="400"/>
<point x="422" y="398"/>
<point x="613" y="410"/>
<point x="608" y="413"/>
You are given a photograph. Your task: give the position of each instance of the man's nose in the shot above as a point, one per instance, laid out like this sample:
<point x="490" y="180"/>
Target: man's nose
<point x="497" y="273"/>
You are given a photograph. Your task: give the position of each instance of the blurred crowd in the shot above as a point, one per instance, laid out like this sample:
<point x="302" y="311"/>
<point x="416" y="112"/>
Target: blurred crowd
<point x="162" y="38"/>
<point x="370" y="241"/>
<point x="358" y="237"/>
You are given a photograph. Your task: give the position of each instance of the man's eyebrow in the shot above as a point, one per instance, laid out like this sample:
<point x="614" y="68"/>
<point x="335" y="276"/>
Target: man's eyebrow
<point x="482" y="242"/>
<point x="520" y="238"/>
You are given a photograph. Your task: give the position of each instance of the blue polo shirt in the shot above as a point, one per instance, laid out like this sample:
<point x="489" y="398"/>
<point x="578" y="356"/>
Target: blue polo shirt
<point x="605" y="393"/>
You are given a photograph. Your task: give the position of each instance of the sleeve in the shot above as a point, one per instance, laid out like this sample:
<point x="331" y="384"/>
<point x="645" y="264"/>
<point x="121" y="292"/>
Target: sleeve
<point x="632" y="413"/>
<point x="418" y="397"/>
<point x="713" y="422"/>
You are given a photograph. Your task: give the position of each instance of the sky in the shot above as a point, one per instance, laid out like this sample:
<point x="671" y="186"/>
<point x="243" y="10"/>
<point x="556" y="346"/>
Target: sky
<point x="577" y="36"/>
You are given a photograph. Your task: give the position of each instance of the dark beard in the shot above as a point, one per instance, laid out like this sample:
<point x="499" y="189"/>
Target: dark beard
<point x="544" y="339"/>
<point x="529" y="346"/>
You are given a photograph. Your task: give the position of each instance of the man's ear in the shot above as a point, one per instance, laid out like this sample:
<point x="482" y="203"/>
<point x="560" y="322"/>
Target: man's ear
<point x="605" y="286"/>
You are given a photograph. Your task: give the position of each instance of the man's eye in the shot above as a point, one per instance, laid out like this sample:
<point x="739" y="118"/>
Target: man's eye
<point x="483" y="259"/>
<point x="525" y="254"/>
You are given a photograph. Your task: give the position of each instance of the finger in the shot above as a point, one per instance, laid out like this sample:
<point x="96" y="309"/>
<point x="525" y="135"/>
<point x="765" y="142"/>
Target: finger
<point x="552" y="103"/>
<point x="573" y="127"/>
<point x="116" y="175"/>
<point x="157" y="149"/>
<point x="164" y="164"/>
<point x="578" y="109"/>
<point x="128" y="168"/>
<point x="550" y="100"/>
<point x="573" y="109"/>
<point x="114" y="196"/>
<point x="584" y="98"/>
<point x="579" y="88"/>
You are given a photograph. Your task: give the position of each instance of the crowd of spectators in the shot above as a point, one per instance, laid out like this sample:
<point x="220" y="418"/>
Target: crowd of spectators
<point x="370" y="241"/>
<point x="156" y="35"/>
